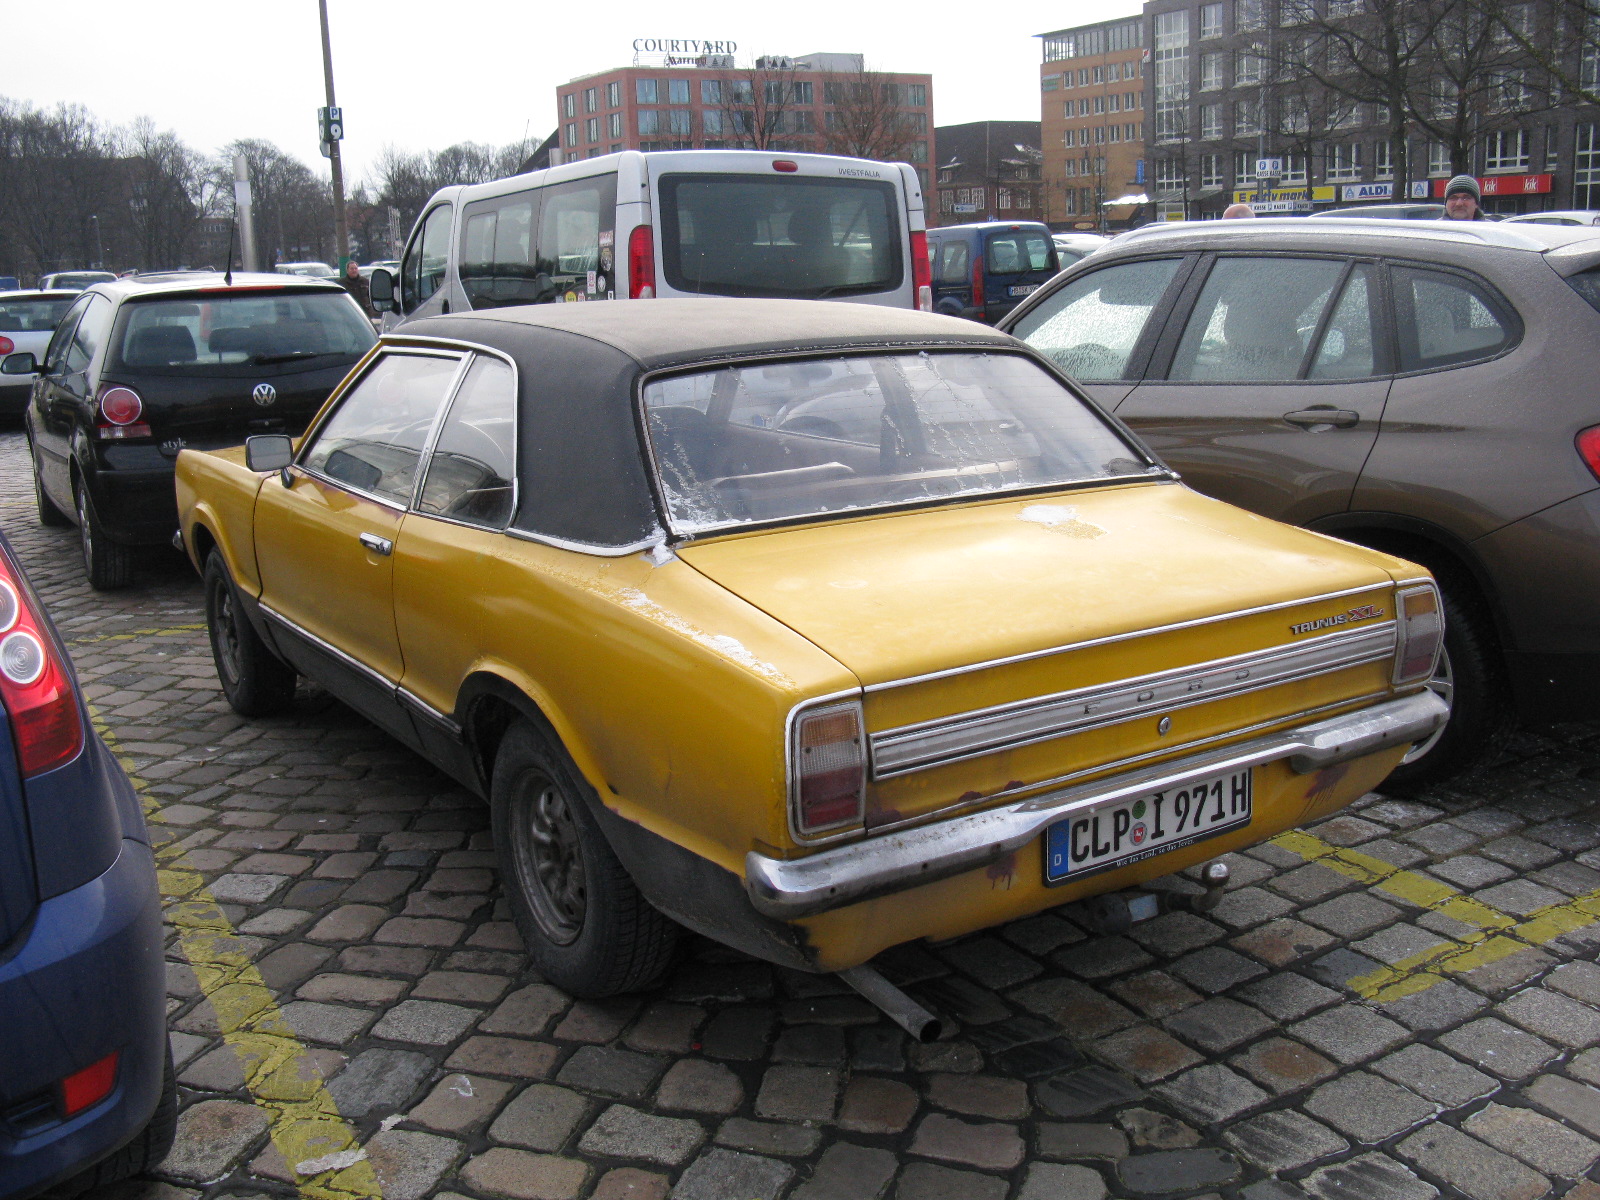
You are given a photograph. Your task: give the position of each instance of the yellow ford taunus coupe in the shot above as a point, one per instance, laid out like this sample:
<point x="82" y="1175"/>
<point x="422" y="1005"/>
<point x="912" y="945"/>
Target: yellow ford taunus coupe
<point x="816" y="628"/>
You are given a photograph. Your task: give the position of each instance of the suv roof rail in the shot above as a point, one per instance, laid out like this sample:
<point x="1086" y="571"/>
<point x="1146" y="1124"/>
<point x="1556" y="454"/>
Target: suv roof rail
<point x="1490" y="233"/>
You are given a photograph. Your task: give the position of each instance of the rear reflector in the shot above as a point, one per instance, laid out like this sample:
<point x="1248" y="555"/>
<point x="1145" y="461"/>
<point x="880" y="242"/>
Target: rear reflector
<point x="35" y="685"/>
<point x="1421" y="629"/>
<point x="89" y="1086"/>
<point x="828" y="772"/>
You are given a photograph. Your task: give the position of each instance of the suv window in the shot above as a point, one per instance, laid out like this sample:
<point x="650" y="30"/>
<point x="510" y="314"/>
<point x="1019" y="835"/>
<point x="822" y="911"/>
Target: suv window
<point x="1255" y="318"/>
<point x="1091" y="326"/>
<point x="1348" y="346"/>
<point x="375" y="438"/>
<point x="953" y="263"/>
<point x="470" y="470"/>
<point x="1443" y="320"/>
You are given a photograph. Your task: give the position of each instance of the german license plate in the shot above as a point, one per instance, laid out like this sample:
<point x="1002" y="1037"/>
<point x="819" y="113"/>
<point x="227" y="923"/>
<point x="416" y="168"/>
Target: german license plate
<point x="1129" y="831"/>
<point x="1022" y="289"/>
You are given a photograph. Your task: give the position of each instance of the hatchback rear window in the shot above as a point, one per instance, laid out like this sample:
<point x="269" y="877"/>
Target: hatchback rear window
<point x="799" y="439"/>
<point x="1017" y="251"/>
<point x="738" y="235"/>
<point x="241" y="332"/>
<point x="1587" y="285"/>
<point x="35" y="314"/>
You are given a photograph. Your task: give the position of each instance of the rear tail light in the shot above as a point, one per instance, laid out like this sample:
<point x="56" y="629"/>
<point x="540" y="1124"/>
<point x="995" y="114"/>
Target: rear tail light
<point x="120" y="410"/>
<point x="977" y="284"/>
<point x="828" y="768"/>
<point x="35" y="685"/>
<point x="7" y="345"/>
<point x="921" y="272"/>
<point x="88" y="1087"/>
<point x="1588" y="442"/>
<point x="1421" y="628"/>
<point x="783" y="164"/>
<point x="641" y="264"/>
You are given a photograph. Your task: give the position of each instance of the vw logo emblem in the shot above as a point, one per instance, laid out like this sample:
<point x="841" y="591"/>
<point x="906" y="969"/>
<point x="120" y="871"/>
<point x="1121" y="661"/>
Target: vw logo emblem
<point x="264" y="394"/>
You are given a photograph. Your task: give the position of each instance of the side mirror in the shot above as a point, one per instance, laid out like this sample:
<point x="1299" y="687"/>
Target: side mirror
<point x="268" y="451"/>
<point x="22" y="363"/>
<point x="380" y="291"/>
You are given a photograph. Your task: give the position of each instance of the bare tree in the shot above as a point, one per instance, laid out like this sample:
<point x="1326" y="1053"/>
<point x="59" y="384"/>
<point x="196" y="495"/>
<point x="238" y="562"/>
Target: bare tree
<point x="291" y="204"/>
<point x="1560" y="37"/>
<point x="404" y="180"/>
<point x="171" y="190"/>
<point x="55" y="181"/>
<point x="765" y="107"/>
<point x="867" y="117"/>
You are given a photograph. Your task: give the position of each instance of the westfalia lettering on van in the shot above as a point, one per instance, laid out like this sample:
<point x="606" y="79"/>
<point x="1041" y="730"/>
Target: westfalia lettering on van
<point x="668" y="223"/>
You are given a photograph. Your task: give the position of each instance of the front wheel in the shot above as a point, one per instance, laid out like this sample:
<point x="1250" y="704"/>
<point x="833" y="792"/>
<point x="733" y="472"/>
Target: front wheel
<point x="587" y="928"/>
<point x="107" y="564"/>
<point x="255" y="681"/>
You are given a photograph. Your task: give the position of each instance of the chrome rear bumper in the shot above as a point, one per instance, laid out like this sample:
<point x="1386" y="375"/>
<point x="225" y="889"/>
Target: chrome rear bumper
<point x="893" y="862"/>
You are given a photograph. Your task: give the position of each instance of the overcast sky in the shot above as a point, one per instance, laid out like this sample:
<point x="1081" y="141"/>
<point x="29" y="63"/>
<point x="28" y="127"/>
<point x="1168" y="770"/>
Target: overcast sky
<point x="421" y="76"/>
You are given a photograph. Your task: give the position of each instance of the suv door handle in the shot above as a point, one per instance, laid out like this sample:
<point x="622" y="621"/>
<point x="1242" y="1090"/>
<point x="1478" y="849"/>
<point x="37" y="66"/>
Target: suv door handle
<point x="378" y="545"/>
<point x="1310" y="418"/>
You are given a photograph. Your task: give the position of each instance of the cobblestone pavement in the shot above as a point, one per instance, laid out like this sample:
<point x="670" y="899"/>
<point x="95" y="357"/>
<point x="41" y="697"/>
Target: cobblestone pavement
<point x="1399" y="1002"/>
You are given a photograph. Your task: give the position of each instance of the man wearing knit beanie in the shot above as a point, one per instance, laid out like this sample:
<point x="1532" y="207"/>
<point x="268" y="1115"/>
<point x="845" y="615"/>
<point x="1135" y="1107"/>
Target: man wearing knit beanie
<point x="1461" y="196"/>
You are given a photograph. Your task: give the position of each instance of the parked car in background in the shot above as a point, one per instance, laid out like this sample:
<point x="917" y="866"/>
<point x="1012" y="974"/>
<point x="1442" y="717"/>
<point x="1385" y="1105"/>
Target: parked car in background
<point x="86" y="1087"/>
<point x="142" y="367"/>
<point x="1390" y="212"/>
<point x="391" y="265"/>
<point x="981" y="271"/>
<point x="72" y="281"/>
<point x="27" y="320"/>
<point x="312" y="270"/>
<point x="794" y="721"/>
<point x="1070" y="247"/>
<point x="1575" y="216"/>
<point x="1426" y="390"/>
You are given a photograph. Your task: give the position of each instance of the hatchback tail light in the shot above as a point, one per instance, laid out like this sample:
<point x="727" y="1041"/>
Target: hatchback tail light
<point x="120" y="410"/>
<point x="35" y="685"/>
<point x="828" y="768"/>
<point x="641" y="264"/>
<point x="1588" y="443"/>
<point x="921" y="272"/>
<point x="1421" y="628"/>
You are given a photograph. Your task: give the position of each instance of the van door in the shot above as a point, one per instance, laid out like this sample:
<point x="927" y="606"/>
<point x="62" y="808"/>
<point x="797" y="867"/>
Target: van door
<point x="425" y="267"/>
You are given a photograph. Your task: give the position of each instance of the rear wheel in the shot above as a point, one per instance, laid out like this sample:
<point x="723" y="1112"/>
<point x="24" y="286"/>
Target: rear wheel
<point x="256" y="682"/>
<point x="107" y="564"/>
<point x="587" y="928"/>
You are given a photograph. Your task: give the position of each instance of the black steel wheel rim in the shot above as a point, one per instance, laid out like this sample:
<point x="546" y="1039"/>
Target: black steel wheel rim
<point x="224" y="633"/>
<point x="85" y="538"/>
<point x="548" y="853"/>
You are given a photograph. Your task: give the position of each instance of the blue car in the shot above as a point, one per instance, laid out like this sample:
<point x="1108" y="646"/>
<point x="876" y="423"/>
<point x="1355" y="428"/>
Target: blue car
<point x="982" y="271"/>
<point x="86" y="1089"/>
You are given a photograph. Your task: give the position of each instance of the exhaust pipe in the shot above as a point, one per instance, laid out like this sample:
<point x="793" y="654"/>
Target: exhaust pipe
<point x="896" y="1005"/>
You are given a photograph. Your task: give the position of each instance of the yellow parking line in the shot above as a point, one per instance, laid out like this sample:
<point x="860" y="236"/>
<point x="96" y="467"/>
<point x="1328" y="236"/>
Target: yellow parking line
<point x="1495" y="935"/>
<point x="133" y="633"/>
<point x="283" y="1079"/>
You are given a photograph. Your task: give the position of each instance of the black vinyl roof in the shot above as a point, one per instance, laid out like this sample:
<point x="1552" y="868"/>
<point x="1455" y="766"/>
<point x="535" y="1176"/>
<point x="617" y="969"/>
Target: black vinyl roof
<point x="582" y="471"/>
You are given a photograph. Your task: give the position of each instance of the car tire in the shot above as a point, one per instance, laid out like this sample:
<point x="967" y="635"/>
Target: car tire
<point x="144" y="1153"/>
<point x="587" y="928"/>
<point x="255" y="681"/>
<point x="1472" y="681"/>
<point x="109" y="566"/>
<point x="50" y="516"/>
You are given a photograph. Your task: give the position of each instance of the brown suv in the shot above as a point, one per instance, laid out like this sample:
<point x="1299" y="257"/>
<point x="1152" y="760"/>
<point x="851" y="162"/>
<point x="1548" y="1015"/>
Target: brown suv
<point x="1424" y="388"/>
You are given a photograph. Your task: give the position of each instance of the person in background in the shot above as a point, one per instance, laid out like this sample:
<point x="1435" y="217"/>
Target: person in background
<point x="1461" y="197"/>
<point x="357" y="286"/>
<point x="1237" y="210"/>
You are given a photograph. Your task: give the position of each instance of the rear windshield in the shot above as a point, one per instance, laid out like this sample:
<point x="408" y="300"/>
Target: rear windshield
<point x="242" y="333"/>
<point x="746" y="444"/>
<point x="738" y="235"/>
<point x="1017" y="251"/>
<point x="36" y="314"/>
<point x="1587" y="285"/>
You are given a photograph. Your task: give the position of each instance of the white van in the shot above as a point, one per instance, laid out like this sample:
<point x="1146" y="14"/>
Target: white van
<point x="670" y="223"/>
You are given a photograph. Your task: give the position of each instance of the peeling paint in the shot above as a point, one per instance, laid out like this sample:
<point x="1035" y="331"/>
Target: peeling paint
<point x="730" y="648"/>
<point x="1062" y="519"/>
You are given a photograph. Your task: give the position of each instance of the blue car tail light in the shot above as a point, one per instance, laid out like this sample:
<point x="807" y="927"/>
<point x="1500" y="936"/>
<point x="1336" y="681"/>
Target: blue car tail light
<point x="35" y="685"/>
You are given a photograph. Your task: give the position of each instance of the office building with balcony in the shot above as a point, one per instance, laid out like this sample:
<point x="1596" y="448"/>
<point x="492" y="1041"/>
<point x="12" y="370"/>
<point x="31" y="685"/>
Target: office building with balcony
<point x="988" y="171"/>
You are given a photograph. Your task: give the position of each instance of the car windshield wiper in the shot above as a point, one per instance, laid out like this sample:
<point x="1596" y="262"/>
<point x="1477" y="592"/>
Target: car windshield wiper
<point x="277" y="358"/>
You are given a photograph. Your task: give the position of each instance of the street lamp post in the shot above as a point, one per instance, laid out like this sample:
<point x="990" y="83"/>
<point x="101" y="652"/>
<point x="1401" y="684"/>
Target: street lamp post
<point x="99" y="244"/>
<point x="341" y="233"/>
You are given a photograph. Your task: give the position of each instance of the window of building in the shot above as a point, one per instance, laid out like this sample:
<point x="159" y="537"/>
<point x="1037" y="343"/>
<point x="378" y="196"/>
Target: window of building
<point x="680" y="122"/>
<point x="1506" y="150"/>
<point x="1127" y="36"/>
<point x="1069" y="110"/>
<point x="1130" y="70"/>
<point x="1439" y="161"/>
<point x="677" y="91"/>
<point x="1003" y="201"/>
<point x="1510" y="94"/>
<point x="1210" y="21"/>
<point x="1248" y="15"/>
<point x="572" y="133"/>
<point x="1171" y="177"/>
<point x="917" y="95"/>
<point x="613" y="94"/>
<point x="1210" y="122"/>
<point x="644" y="91"/>
<point x="741" y="91"/>
<point x="1210" y="72"/>
<point x="711" y="122"/>
<point x="1100" y="74"/>
<point x="1100" y="135"/>
<point x="1211" y="170"/>
<point x="1083" y="76"/>
<point x="711" y="91"/>
<point x="1114" y="102"/>
<point x="1244" y="167"/>
<point x="591" y="129"/>
<point x="1050" y="83"/>
<point x="569" y="105"/>
<point x="1297" y="12"/>
<point x="1130" y="132"/>
<point x="1099" y="105"/>
<point x="1248" y="67"/>
<point x="614" y="125"/>
<point x="1294" y="168"/>
<point x="804" y="93"/>
<point x="1130" y="100"/>
<point x="1083" y="107"/>
<point x="649" y="121"/>
<point x="1383" y="160"/>
<point x="591" y="100"/>
<point x="1344" y="162"/>
<point x="1586" y="172"/>
<point x="918" y="121"/>
<point x="1172" y="74"/>
<point x="1344" y="8"/>
<point x="1343" y="114"/>
<point x="1115" y="134"/>
<point x="1246" y="118"/>
<point x="1070" y="202"/>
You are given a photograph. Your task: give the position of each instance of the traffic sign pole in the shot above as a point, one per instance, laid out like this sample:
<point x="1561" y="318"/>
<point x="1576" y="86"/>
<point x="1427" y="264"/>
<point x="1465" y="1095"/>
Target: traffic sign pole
<point x="332" y="132"/>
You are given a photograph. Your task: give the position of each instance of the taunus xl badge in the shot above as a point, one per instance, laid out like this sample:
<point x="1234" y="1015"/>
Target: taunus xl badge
<point x="1364" y="613"/>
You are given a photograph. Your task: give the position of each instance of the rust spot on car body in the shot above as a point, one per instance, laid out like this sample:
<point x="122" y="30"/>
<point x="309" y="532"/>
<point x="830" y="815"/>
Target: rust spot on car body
<point x="1003" y="871"/>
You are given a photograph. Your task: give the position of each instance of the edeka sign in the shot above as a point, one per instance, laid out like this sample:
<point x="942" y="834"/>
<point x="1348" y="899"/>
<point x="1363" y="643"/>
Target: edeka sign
<point x="682" y="46"/>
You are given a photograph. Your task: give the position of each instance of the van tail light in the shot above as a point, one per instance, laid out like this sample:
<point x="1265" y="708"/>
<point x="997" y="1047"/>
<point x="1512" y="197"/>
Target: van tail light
<point x="86" y="1088"/>
<point x="1588" y="443"/>
<point x="977" y="284"/>
<point x="120" y="410"/>
<point x="641" y="264"/>
<point x="35" y="684"/>
<point x="1421" y="629"/>
<point x="827" y="768"/>
<point x="783" y="164"/>
<point x="921" y="272"/>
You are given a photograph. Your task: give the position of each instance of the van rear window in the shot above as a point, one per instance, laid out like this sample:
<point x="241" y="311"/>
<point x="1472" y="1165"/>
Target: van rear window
<point x="1017" y="251"/>
<point x="793" y="236"/>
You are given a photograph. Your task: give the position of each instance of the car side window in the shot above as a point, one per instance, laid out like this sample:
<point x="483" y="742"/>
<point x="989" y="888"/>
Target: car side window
<point x="375" y="438"/>
<point x="422" y="271"/>
<point x="1347" y="350"/>
<point x="1255" y="318"/>
<point x="473" y="463"/>
<point x="953" y="258"/>
<point x="1091" y="326"/>
<point x="56" y="352"/>
<point x="89" y="336"/>
<point x="1443" y="320"/>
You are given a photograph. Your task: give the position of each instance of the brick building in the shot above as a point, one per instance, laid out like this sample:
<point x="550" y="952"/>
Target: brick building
<point x="988" y="171"/>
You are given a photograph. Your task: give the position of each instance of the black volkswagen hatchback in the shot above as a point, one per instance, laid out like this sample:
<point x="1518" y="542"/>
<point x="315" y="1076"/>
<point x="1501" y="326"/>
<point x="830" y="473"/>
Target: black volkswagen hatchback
<point x="142" y="367"/>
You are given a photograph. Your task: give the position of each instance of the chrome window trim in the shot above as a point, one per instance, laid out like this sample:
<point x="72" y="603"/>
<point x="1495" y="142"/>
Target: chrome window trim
<point x="599" y="551"/>
<point x="910" y="748"/>
<point x="347" y="659"/>
<point x="1109" y="639"/>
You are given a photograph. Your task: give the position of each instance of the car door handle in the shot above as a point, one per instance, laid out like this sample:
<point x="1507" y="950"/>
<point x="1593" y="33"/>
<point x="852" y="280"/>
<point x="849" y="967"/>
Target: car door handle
<point x="1307" y="418"/>
<point x="378" y="545"/>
